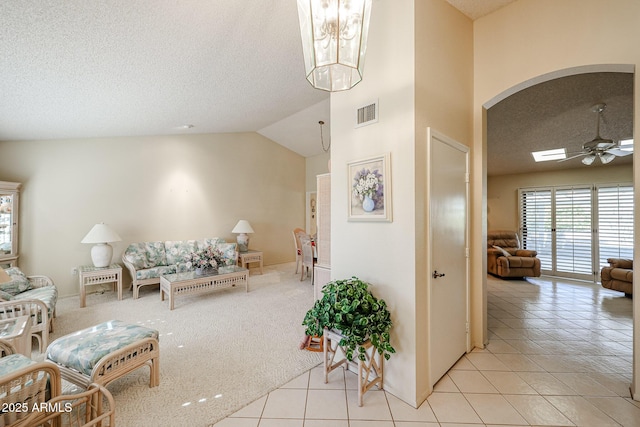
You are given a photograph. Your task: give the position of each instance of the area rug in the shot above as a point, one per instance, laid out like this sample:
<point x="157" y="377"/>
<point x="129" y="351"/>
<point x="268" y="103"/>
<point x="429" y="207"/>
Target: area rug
<point x="218" y="351"/>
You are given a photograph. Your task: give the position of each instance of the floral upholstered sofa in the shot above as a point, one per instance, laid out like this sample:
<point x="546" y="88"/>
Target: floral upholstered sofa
<point x="147" y="261"/>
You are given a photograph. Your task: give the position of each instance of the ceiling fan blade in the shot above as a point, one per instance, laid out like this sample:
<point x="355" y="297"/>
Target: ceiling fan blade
<point x="618" y="152"/>
<point x="573" y="157"/>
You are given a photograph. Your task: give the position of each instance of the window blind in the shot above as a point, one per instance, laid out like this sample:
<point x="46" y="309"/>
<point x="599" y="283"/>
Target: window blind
<point x="536" y="224"/>
<point x="573" y="230"/>
<point x="615" y="222"/>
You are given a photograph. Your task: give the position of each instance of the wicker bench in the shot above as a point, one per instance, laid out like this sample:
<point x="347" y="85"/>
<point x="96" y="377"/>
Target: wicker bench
<point x="105" y="352"/>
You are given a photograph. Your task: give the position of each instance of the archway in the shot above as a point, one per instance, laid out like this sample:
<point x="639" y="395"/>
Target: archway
<point x="575" y="71"/>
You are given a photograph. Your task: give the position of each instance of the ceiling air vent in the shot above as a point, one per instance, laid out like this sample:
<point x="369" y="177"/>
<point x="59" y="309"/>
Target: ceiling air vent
<point x="367" y="115"/>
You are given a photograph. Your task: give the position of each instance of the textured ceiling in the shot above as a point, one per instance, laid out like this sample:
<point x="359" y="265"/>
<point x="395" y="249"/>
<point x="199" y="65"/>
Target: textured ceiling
<point x="79" y="69"/>
<point x="558" y="114"/>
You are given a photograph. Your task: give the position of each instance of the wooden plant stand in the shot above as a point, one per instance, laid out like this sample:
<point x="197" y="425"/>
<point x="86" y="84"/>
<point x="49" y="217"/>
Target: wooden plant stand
<point x="370" y="370"/>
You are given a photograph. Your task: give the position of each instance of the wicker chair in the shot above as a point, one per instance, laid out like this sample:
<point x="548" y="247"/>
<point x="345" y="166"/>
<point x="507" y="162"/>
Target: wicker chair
<point x="39" y="385"/>
<point x="39" y="301"/>
<point x="6" y="348"/>
<point x="36" y="310"/>
<point x="94" y="407"/>
<point x="27" y="385"/>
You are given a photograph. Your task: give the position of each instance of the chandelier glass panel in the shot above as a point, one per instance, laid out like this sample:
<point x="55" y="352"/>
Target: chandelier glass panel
<point x="334" y="41"/>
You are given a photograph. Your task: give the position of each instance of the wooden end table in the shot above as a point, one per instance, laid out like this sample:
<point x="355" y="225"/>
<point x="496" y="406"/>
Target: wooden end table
<point x="250" y="256"/>
<point x="90" y="275"/>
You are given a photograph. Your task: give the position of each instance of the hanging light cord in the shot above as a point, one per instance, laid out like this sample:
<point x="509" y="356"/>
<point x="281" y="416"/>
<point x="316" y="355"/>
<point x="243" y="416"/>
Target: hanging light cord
<point x="326" y="150"/>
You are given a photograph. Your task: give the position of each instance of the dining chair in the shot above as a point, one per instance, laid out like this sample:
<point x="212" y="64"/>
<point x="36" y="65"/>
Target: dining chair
<point x="308" y="259"/>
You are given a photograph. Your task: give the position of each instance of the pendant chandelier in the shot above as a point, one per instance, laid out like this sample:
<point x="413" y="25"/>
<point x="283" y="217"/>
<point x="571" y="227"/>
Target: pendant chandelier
<point x="334" y="41"/>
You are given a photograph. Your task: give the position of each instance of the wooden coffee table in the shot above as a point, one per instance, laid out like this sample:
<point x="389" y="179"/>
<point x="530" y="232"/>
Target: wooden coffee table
<point x="191" y="283"/>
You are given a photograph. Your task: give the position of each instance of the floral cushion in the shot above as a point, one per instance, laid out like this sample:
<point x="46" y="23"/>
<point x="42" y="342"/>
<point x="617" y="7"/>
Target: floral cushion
<point x="46" y="294"/>
<point x="178" y="251"/>
<point x="153" y="272"/>
<point x="156" y="254"/>
<point x="13" y="362"/>
<point x="146" y="254"/>
<point x="81" y="350"/>
<point x="136" y="254"/>
<point x="229" y="251"/>
<point x="19" y="282"/>
<point x="209" y="241"/>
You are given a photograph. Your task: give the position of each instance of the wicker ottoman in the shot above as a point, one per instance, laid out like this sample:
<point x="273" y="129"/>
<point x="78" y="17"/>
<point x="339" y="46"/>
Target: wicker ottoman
<point x="105" y="352"/>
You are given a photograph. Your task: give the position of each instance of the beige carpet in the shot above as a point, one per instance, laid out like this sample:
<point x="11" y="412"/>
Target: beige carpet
<point x="218" y="351"/>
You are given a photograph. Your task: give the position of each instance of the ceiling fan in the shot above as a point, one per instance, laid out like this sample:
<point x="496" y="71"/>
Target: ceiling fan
<point x="604" y="149"/>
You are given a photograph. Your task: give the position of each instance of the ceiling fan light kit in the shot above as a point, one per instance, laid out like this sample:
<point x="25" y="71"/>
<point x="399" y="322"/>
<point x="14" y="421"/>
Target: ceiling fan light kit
<point x="604" y="149"/>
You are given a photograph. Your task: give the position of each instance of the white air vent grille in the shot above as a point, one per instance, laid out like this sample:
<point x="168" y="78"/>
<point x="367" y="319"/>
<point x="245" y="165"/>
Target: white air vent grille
<point x="367" y="115"/>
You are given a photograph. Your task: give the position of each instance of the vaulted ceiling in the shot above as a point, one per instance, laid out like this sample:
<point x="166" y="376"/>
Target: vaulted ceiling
<point x="78" y="69"/>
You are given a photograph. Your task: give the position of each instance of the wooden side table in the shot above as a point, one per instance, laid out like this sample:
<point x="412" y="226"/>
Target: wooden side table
<point x="90" y="275"/>
<point x="17" y="331"/>
<point x="249" y="257"/>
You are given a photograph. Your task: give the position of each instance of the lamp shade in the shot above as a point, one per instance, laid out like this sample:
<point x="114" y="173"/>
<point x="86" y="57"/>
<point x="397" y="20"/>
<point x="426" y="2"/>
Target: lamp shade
<point x="101" y="233"/>
<point x="334" y="40"/>
<point x="243" y="226"/>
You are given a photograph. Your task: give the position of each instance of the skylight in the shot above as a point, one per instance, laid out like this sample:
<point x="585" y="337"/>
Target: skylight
<point x="547" y="155"/>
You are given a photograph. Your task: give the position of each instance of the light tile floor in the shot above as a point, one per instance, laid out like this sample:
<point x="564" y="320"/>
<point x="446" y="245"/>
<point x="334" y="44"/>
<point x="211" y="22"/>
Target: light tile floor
<point x="559" y="354"/>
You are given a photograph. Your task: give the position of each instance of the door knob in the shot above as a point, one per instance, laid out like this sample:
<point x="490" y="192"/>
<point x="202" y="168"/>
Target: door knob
<point x="436" y="274"/>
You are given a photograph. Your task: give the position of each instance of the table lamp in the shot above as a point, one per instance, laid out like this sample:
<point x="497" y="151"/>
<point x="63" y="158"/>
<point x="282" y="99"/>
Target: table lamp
<point x="243" y="227"/>
<point x="102" y="252"/>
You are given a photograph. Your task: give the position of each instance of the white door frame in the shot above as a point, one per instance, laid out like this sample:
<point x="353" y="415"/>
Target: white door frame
<point x="431" y="135"/>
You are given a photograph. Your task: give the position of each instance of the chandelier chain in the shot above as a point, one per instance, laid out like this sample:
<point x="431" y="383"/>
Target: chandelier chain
<point x="326" y="150"/>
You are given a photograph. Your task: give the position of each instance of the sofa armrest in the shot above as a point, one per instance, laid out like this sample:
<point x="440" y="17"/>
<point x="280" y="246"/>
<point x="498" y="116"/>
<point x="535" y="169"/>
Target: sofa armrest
<point x="620" y="263"/>
<point x="526" y="253"/>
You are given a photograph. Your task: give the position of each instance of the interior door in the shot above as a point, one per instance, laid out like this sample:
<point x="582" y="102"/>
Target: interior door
<point x="448" y="261"/>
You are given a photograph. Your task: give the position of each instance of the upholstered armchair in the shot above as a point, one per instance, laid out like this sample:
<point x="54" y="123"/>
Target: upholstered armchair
<point x="506" y="259"/>
<point x="618" y="276"/>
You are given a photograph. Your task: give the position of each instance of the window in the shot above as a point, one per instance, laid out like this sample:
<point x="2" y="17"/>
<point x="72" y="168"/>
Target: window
<point x="615" y="223"/>
<point x="575" y="229"/>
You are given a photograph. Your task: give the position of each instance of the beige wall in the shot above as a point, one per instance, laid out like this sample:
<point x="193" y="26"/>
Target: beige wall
<point x="527" y="40"/>
<point x="316" y="165"/>
<point x="151" y="188"/>
<point x="502" y="190"/>
<point x="419" y="67"/>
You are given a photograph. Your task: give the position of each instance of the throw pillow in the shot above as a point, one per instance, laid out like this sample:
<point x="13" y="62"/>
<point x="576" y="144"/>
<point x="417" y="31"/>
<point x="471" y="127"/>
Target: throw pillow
<point x="19" y="282"/>
<point x="229" y="251"/>
<point x="504" y="252"/>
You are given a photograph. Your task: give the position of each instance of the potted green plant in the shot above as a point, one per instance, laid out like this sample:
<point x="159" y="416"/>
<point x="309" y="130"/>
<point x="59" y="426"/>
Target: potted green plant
<point x="349" y="308"/>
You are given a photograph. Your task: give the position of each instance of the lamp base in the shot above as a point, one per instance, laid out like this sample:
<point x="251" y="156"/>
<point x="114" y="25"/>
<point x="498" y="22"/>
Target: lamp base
<point x="101" y="255"/>
<point x="243" y="242"/>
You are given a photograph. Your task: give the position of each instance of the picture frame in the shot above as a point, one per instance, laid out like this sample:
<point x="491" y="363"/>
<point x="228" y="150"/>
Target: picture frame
<point x="370" y="189"/>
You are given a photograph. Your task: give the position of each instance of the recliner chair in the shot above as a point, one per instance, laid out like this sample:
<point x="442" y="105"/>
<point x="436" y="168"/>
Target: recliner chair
<point x="506" y="259"/>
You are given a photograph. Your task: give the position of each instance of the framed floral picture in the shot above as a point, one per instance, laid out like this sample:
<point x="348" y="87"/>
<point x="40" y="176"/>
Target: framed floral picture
<point x="370" y="189"/>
